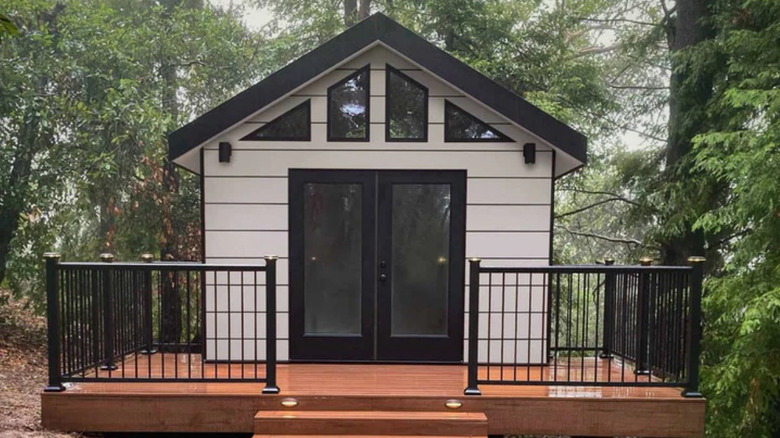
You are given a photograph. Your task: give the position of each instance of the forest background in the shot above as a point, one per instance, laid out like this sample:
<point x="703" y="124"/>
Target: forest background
<point x="680" y="102"/>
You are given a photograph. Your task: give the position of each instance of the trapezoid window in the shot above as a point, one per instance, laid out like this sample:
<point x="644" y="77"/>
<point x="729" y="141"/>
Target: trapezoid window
<point x="294" y="125"/>
<point x="348" y="106"/>
<point x="460" y="126"/>
<point x="406" y="108"/>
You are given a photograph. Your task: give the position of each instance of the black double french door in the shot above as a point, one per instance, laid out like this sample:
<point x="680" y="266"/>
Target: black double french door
<point x="377" y="265"/>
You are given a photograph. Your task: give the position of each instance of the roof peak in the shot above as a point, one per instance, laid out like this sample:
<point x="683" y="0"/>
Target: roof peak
<point x="377" y="27"/>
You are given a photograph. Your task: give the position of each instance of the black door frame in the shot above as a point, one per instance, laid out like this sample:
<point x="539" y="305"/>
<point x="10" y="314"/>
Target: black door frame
<point x="375" y="344"/>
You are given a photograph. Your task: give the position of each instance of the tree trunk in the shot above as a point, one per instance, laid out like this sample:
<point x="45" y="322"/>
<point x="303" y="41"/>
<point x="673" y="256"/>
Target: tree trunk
<point x="14" y="197"/>
<point x="171" y="324"/>
<point x="350" y="12"/>
<point x="364" y="9"/>
<point x="689" y="93"/>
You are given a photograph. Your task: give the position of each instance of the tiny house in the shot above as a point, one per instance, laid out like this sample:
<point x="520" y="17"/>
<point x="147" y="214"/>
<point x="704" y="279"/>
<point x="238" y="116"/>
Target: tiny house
<point x="377" y="243"/>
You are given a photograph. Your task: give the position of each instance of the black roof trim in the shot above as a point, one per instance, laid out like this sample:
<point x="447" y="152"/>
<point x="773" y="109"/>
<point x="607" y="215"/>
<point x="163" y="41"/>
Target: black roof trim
<point x="377" y="27"/>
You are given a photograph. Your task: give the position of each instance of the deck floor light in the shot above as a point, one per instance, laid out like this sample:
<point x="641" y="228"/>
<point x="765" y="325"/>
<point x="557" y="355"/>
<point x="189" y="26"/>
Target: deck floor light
<point x="289" y="402"/>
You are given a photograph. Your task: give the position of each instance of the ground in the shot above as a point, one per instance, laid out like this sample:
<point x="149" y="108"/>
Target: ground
<point x="22" y="369"/>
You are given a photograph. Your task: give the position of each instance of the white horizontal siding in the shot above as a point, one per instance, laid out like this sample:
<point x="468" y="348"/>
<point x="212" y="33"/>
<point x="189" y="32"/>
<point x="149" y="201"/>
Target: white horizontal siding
<point x="278" y="162"/>
<point x="510" y="245"/>
<point x="245" y="217"/>
<point x="246" y="202"/>
<point x="509" y="191"/>
<point x="508" y="217"/>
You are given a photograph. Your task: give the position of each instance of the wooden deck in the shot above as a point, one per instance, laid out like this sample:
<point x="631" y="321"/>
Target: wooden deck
<point x="183" y="366"/>
<point x="231" y="407"/>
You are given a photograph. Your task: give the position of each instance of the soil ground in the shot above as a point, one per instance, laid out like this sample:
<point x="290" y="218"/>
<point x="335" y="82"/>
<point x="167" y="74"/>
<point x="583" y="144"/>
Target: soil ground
<point x="22" y="369"/>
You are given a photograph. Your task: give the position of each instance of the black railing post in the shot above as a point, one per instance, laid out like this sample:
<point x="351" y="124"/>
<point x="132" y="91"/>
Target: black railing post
<point x="609" y="311"/>
<point x="148" y="325"/>
<point x="108" y="315"/>
<point x="53" y="322"/>
<point x="472" y="387"/>
<point x="694" y="329"/>
<point x="270" y="325"/>
<point x="643" y="314"/>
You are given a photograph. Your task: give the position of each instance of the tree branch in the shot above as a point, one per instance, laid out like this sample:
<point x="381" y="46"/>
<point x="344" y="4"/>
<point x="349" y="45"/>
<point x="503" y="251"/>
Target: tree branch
<point x="626" y="241"/>
<point x="595" y="204"/>
<point x="615" y="196"/>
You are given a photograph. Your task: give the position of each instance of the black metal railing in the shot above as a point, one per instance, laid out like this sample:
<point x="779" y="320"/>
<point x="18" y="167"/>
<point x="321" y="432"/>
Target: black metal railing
<point x="160" y="322"/>
<point x="600" y="325"/>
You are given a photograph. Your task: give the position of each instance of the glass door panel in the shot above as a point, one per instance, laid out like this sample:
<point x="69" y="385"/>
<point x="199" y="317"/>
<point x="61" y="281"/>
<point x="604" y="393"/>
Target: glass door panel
<point x="420" y="259"/>
<point x="332" y="248"/>
<point x="332" y="239"/>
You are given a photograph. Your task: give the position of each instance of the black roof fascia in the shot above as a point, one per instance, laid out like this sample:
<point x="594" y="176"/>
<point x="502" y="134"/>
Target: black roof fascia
<point x="378" y="27"/>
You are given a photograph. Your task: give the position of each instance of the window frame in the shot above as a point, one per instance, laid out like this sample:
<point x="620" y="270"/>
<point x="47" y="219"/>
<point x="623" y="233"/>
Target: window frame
<point x="388" y="139"/>
<point x="307" y="103"/>
<point x="330" y="137"/>
<point x="502" y="138"/>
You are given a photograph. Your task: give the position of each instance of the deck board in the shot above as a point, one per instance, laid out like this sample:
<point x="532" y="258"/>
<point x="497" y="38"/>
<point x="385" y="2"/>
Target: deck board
<point x="230" y="407"/>
<point x="380" y="379"/>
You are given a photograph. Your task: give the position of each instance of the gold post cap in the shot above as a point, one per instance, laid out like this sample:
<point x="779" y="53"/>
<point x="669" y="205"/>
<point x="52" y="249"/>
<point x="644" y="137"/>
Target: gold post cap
<point x="51" y="255"/>
<point x="646" y="261"/>
<point x="271" y="257"/>
<point x="106" y="257"/>
<point x="609" y="261"/>
<point x="147" y="257"/>
<point x="696" y="259"/>
<point x="475" y="259"/>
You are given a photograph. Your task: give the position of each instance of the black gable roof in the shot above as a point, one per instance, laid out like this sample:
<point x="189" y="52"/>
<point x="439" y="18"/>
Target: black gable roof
<point x="377" y="27"/>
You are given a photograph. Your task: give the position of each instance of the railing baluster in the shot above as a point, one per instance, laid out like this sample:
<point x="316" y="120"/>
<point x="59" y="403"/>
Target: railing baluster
<point x="609" y="311"/>
<point x="472" y="387"/>
<point x="694" y="332"/>
<point x="148" y="325"/>
<point x="270" y="325"/>
<point x="53" y="316"/>
<point x="643" y="320"/>
<point x="108" y="316"/>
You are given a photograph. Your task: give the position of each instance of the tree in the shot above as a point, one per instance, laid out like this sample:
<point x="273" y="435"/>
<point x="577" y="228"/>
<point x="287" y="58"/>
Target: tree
<point x="84" y="162"/>
<point x="741" y="373"/>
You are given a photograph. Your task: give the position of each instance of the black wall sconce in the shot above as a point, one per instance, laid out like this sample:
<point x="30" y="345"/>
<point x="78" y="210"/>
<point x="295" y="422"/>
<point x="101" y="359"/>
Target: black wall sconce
<point x="529" y="153"/>
<point x="225" y="151"/>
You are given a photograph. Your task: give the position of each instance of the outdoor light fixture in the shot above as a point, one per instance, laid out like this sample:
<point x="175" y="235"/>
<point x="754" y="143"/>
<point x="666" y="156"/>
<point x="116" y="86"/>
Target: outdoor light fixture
<point x="289" y="402"/>
<point x="529" y="153"/>
<point x="225" y="151"/>
<point x="453" y="404"/>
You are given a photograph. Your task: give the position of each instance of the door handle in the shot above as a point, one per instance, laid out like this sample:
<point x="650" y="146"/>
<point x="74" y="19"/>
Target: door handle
<point x="382" y="277"/>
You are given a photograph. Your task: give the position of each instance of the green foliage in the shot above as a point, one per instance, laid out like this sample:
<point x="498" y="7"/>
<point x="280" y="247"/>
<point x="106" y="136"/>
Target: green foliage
<point x="92" y="89"/>
<point x="742" y="344"/>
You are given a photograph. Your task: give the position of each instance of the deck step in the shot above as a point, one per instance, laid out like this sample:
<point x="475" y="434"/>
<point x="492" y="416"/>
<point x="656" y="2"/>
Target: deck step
<point x="366" y="436"/>
<point x="289" y="424"/>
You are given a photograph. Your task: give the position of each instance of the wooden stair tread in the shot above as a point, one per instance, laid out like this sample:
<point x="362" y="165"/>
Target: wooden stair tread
<point x="439" y="424"/>
<point x="366" y="436"/>
<point x="379" y="415"/>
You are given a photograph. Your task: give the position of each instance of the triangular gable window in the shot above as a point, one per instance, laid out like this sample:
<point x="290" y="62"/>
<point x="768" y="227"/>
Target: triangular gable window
<point x="460" y="126"/>
<point x="406" y="108"/>
<point x="294" y="125"/>
<point x="348" y="107"/>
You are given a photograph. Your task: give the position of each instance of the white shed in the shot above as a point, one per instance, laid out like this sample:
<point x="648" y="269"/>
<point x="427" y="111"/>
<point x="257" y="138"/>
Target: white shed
<point x="373" y="166"/>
